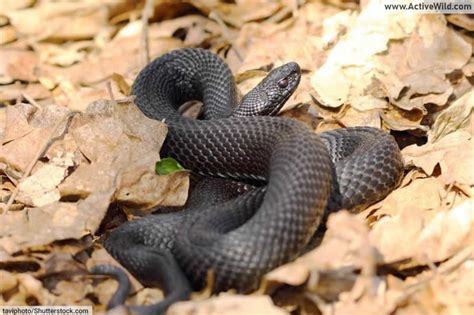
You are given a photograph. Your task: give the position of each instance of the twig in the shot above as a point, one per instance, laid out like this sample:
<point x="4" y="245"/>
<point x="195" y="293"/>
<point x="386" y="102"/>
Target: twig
<point x="225" y="33"/>
<point x="144" y="39"/>
<point x="111" y="94"/>
<point x="38" y="155"/>
<point x="31" y="100"/>
<point x="295" y="5"/>
<point x="280" y="15"/>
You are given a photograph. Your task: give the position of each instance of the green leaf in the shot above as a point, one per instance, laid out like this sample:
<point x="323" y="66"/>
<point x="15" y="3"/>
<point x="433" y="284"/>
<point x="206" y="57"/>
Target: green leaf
<point x="168" y="166"/>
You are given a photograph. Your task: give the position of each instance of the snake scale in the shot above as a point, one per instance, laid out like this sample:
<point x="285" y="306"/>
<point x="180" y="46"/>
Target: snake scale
<point x="243" y="238"/>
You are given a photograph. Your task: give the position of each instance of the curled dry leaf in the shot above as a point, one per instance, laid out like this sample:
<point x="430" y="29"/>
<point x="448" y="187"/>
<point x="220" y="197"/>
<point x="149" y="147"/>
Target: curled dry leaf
<point x="462" y="20"/>
<point x="16" y="122"/>
<point x="56" y="221"/>
<point x="444" y="288"/>
<point x="381" y="68"/>
<point x="122" y="146"/>
<point x="452" y="118"/>
<point x="453" y="153"/>
<point x="7" y="34"/>
<point x="430" y="196"/>
<point x="41" y="188"/>
<point x="412" y="234"/>
<point x="26" y="132"/>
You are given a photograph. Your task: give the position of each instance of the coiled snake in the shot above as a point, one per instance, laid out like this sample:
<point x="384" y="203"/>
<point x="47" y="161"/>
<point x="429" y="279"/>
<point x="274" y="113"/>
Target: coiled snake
<point x="303" y="174"/>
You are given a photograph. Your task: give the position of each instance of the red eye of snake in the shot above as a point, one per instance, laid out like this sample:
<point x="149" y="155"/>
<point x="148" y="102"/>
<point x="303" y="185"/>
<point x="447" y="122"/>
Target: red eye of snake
<point x="283" y="83"/>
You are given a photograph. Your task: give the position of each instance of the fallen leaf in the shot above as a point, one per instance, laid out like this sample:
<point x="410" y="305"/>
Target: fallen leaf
<point x="451" y="152"/>
<point x="424" y="237"/>
<point x="55" y="221"/>
<point x="452" y="118"/>
<point x="381" y="69"/>
<point x="16" y="64"/>
<point x="7" y="34"/>
<point x="66" y="20"/>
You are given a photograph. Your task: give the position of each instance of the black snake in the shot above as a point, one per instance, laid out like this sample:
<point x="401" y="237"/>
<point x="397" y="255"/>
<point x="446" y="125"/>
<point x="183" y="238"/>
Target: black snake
<point x="303" y="174"/>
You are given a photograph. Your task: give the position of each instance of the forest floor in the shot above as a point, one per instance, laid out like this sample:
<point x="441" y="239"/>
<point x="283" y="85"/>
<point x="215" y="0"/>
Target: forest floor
<point x="77" y="157"/>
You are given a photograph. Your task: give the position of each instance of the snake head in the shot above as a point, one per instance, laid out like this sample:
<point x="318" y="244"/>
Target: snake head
<point x="269" y="96"/>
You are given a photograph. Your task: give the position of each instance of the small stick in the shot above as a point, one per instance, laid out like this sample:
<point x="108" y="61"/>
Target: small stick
<point x="295" y="5"/>
<point x="111" y="94"/>
<point x="37" y="156"/>
<point x="144" y="38"/>
<point x="225" y="32"/>
<point x="31" y="100"/>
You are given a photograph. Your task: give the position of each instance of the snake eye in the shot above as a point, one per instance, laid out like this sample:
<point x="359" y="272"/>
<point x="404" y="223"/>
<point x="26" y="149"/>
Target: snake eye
<point x="283" y="83"/>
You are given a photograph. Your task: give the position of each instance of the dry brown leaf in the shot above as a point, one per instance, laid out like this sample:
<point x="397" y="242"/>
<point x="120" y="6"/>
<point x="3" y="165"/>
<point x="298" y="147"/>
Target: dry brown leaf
<point x="446" y="234"/>
<point x="7" y="34"/>
<point x="10" y="5"/>
<point x="413" y="234"/>
<point x="71" y="292"/>
<point x="63" y="55"/>
<point x="25" y="143"/>
<point x="65" y="20"/>
<point x="262" y="44"/>
<point x="365" y="71"/>
<point x="77" y="98"/>
<point x="40" y="188"/>
<point x="446" y="288"/>
<point x="461" y="20"/>
<point x="453" y="153"/>
<point x="18" y="64"/>
<point x="385" y="67"/>
<point x="9" y="281"/>
<point x="123" y="146"/>
<point x="13" y="92"/>
<point x="16" y="122"/>
<point x="430" y="196"/>
<point x="56" y="221"/>
<point x="251" y="10"/>
<point x="119" y="56"/>
<point x="452" y="118"/>
<point x="197" y="28"/>
<point x="353" y="117"/>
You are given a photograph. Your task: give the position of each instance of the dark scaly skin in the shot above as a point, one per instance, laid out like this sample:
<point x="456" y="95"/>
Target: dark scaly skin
<point x="244" y="238"/>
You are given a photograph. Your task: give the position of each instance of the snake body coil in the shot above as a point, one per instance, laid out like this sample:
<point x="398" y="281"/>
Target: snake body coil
<point x="263" y="228"/>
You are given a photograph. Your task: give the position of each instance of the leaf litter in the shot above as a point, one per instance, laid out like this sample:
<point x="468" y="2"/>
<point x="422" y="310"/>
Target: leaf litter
<point x="77" y="157"/>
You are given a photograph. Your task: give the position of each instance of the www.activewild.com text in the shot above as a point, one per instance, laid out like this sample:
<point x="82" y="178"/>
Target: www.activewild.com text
<point x="438" y="6"/>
